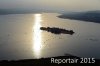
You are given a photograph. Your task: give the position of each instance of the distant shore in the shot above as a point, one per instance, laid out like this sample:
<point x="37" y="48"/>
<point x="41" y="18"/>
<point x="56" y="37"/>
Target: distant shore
<point x="88" y="16"/>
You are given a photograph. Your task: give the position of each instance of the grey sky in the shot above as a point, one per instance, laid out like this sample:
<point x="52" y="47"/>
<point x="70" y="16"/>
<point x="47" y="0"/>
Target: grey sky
<point x="52" y="4"/>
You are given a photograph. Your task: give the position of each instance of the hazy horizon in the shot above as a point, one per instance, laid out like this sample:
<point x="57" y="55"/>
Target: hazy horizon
<point x="51" y="5"/>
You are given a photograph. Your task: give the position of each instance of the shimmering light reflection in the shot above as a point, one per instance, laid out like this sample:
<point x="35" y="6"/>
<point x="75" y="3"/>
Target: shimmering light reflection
<point x="37" y="36"/>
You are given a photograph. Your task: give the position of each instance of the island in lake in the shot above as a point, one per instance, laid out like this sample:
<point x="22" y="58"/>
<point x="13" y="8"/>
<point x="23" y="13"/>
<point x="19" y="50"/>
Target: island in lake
<point x="56" y="30"/>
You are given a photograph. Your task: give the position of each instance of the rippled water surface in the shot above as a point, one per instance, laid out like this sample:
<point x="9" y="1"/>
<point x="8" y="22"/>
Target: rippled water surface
<point x="21" y="37"/>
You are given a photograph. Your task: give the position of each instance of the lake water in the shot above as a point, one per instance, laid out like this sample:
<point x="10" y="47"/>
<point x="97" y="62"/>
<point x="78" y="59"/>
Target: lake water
<point x="21" y="37"/>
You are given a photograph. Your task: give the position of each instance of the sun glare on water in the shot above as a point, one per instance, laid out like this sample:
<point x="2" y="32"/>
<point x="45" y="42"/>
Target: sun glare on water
<point x="37" y="36"/>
